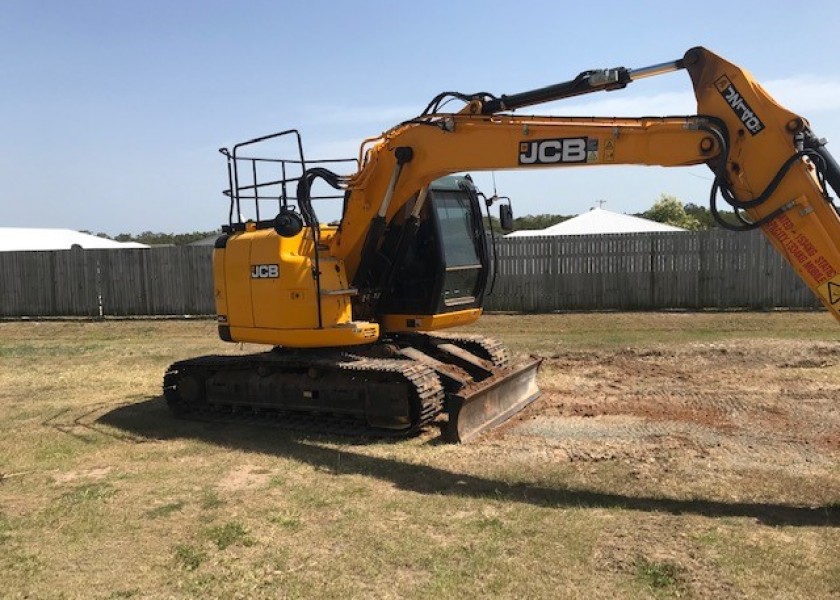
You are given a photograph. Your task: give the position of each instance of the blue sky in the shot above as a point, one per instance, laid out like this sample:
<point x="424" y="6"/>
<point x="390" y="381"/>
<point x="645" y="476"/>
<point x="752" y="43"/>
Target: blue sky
<point x="111" y="112"/>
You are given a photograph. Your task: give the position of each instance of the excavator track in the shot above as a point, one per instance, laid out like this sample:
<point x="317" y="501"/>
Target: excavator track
<point x="338" y="393"/>
<point x="390" y="389"/>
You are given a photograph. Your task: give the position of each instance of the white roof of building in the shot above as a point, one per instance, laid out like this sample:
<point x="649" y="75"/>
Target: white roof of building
<point x="13" y="239"/>
<point x="598" y="221"/>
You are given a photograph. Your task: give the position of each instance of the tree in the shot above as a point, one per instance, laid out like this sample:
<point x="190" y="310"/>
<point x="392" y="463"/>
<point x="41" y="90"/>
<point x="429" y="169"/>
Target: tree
<point x="704" y="215"/>
<point x="99" y="234"/>
<point x="669" y="210"/>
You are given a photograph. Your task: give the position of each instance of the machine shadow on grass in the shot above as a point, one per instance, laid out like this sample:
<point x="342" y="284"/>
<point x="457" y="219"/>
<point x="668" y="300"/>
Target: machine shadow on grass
<point x="150" y="420"/>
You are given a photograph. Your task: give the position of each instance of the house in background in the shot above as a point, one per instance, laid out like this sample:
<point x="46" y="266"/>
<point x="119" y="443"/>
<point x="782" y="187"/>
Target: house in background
<point x="598" y="221"/>
<point x="22" y="239"/>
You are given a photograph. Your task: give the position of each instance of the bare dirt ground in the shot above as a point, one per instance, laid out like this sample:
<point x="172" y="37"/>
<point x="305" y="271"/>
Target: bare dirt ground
<point x="739" y="404"/>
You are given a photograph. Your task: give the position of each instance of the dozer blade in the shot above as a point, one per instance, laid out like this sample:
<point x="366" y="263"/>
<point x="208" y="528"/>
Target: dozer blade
<point x="490" y="403"/>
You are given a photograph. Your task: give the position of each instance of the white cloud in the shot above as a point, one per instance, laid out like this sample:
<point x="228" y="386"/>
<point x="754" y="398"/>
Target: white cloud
<point x="804" y="94"/>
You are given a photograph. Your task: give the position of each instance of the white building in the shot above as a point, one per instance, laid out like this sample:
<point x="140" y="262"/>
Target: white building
<point x="598" y="221"/>
<point x="17" y="239"/>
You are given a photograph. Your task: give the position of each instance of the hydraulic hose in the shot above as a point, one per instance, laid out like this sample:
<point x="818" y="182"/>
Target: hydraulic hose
<point x="721" y="186"/>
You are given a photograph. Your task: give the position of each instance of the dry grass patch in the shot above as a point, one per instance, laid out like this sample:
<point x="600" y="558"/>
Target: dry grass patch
<point x="672" y="455"/>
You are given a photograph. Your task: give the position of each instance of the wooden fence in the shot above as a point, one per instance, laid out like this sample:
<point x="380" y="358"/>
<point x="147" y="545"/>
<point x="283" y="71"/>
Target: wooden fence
<point x="709" y="269"/>
<point x="645" y="271"/>
<point x="96" y="283"/>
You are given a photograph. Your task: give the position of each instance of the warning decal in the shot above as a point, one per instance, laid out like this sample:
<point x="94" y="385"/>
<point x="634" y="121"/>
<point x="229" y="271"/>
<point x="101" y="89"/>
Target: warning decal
<point x="833" y="292"/>
<point x="592" y="150"/>
<point x="609" y="150"/>
<point x="830" y="291"/>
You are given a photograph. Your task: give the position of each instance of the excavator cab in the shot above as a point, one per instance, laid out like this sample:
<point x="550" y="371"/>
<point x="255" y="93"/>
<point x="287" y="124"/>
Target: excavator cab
<point x="446" y="267"/>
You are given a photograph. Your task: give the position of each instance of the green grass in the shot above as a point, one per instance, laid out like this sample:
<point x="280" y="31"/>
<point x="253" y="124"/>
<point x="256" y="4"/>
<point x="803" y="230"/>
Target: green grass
<point x="86" y="494"/>
<point x="210" y="500"/>
<point x="488" y="524"/>
<point x="287" y="520"/>
<point x="659" y="577"/>
<point x="40" y="351"/>
<point x="165" y="510"/>
<point x="538" y="333"/>
<point x="133" y="593"/>
<point x="228" y="534"/>
<point x="188" y="557"/>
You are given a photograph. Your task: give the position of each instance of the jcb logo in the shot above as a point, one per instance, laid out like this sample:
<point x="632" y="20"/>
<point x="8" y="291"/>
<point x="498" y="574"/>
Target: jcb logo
<point x="265" y="271"/>
<point x="553" y="151"/>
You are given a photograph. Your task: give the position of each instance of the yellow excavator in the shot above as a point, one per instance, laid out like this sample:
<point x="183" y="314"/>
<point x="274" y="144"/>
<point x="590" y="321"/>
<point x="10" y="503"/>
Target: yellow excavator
<point x="356" y="310"/>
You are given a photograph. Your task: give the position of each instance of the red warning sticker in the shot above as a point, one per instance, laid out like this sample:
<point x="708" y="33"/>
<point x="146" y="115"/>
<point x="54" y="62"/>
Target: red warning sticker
<point x="802" y="252"/>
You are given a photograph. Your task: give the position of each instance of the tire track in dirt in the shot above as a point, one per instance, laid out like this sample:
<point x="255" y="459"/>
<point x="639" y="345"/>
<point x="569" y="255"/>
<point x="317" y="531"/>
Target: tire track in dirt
<point x="751" y="404"/>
